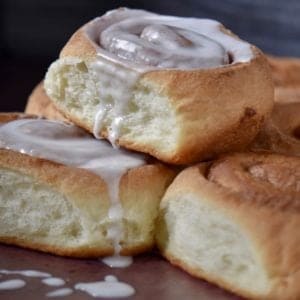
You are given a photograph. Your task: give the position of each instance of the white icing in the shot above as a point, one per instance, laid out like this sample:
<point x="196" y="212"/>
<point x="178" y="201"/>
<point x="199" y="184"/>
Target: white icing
<point x="109" y="288"/>
<point x="131" y="42"/>
<point x="117" y="261"/>
<point x="112" y="76"/>
<point x="27" y="273"/>
<point x="12" y="284"/>
<point x="60" y="293"/>
<point x="146" y="41"/>
<point x="70" y="145"/>
<point x="53" y="281"/>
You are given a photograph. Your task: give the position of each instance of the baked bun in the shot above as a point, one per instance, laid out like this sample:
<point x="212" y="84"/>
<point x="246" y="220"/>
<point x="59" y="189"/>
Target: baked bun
<point x="66" y="193"/>
<point x="285" y="73"/>
<point x="236" y="223"/>
<point x="180" y="89"/>
<point x="281" y="133"/>
<point x="39" y="104"/>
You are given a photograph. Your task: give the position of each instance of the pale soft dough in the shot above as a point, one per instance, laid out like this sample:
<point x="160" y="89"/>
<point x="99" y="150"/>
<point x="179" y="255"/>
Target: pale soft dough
<point x="235" y="223"/>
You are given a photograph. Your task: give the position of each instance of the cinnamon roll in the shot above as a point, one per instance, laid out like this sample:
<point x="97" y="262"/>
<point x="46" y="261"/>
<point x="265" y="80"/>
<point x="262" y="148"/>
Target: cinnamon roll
<point x="235" y="222"/>
<point x="281" y="132"/>
<point x="180" y="89"/>
<point x="39" y="104"/>
<point x="285" y="73"/>
<point x="66" y="193"/>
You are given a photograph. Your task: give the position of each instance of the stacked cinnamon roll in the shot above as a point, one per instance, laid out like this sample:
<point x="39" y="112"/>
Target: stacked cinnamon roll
<point x="179" y="91"/>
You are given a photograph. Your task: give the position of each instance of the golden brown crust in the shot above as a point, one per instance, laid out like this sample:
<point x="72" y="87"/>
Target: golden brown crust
<point x="79" y="45"/>
<point x="39" y="104"/>
<point x="261" y="194"/>
<point x="281" y="133"/>
<point x="246" y="107"/>
<point x="285" y="71"/>
<point x="238" y="96"/>
<point x="7" y="117"/>
<point x="140" y="190"/>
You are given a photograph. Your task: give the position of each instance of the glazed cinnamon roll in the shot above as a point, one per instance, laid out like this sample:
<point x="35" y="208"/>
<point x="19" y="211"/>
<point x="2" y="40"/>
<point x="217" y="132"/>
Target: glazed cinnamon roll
<point x="64" y="192"/>
<point x="180" y="89"/>
<point x="235" y="222"/>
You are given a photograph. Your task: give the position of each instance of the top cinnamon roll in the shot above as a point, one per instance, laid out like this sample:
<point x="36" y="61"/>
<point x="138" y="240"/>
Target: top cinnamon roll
<point x="180" y="89"/>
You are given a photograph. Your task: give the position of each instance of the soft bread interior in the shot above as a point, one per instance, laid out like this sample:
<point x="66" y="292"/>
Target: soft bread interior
<point x="36" y="215"/>
<point x="74" y="87"/>
<point x="207" y="243"/>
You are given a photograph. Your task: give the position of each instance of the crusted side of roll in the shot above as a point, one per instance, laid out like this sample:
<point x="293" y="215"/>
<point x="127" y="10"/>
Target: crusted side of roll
<point x="179" y="116"/>
<point x="281" y="132"/>
<point x="63" y="210"/>
<point x="39" y="104"/>
<point x="285" y="71"/>
<point x="235" y="223"/>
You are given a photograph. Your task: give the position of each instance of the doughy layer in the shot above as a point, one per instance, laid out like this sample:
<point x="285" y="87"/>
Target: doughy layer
<point x="235" y="222"/>
<point x="178" y="116"/>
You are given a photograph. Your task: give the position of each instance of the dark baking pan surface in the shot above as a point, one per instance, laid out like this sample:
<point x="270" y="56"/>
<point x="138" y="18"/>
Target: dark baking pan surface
<point x="151" y="276"/>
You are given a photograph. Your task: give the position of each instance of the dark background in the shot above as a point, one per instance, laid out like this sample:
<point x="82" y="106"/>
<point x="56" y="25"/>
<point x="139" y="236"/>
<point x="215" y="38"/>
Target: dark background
<point x="32" y="32"/>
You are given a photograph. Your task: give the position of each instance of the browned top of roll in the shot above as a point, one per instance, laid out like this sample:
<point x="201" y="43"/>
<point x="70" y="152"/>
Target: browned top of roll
<point x="269" y="180"/>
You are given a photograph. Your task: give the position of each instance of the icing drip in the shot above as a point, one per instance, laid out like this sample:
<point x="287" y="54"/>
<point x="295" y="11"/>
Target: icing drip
<point x="112" y="99"/>
<point x="70" y="145"/>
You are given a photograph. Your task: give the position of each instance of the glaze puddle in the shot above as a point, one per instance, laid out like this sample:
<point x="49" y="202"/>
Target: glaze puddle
<point x="109" y="288"/>
<point x="117" y="261"/>
<point x="60" y="293"/>
<point x="26" y="273"/>
<point x="53" y="281"/>
<point x="12" y="284"/>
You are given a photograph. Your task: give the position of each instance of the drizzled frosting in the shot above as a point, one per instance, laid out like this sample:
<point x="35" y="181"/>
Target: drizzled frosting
<point x="148" y="41"/>
<point x="70" y="145"/>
